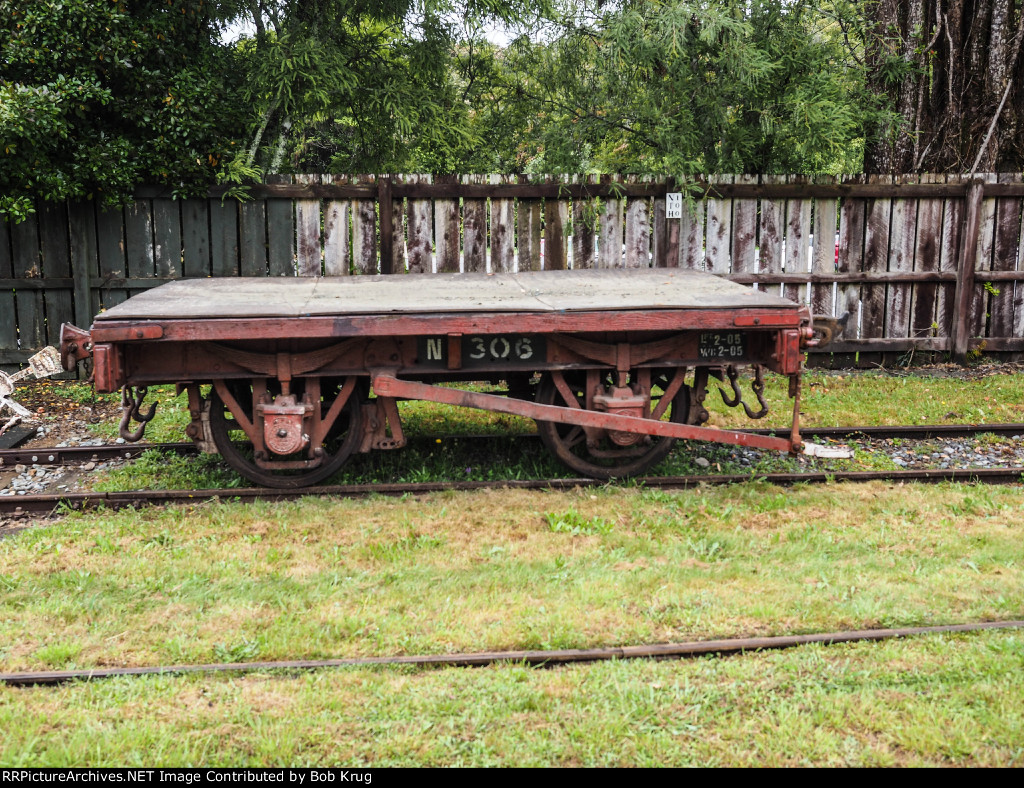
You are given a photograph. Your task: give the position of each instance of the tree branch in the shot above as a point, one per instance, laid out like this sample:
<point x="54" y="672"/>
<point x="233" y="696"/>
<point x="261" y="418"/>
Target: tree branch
<point x="1002" y="103"/>
<point x="251" y="156"/>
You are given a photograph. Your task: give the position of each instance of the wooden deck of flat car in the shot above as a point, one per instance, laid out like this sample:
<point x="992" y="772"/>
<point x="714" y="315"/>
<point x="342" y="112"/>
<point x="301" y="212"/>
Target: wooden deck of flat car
<point x="613" y="364"/>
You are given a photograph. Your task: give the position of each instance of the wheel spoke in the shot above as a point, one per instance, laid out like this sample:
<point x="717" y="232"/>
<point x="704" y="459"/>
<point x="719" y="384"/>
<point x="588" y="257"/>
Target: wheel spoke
<point x="573" y="438"/>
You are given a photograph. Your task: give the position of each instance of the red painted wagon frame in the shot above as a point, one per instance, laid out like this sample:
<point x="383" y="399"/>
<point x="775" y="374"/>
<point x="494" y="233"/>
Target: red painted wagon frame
<point x="381" y="349"/>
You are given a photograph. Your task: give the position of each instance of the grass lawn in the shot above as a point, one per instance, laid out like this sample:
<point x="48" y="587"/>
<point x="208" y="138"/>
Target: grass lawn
<point x="510" y="569"/>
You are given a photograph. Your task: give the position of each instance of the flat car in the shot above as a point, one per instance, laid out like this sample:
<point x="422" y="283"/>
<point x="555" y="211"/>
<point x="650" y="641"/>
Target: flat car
<point x="287" y="377"/>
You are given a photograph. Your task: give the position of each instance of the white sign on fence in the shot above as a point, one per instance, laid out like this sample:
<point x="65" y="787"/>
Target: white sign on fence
<point x="674" y="205"/>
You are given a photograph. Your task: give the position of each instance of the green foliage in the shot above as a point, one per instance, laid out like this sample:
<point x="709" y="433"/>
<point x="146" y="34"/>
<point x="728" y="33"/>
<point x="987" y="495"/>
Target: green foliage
<point x="682" y="87"/>
<point x="362" y="87"/>
<point x="98" y="96"/>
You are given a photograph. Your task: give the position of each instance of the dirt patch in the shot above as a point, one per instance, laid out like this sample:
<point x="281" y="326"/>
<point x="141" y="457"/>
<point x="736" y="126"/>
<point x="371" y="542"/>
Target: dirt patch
<point x="68" y="412"/>
<point x="64" y="413"/>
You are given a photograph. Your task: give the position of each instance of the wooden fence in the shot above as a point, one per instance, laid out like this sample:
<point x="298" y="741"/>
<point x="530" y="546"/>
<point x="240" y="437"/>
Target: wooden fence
<point x="926" y="265"/>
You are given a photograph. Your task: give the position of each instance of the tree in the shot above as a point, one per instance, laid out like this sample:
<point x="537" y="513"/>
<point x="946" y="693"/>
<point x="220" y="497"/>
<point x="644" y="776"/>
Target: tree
<point x="677" y="86"/>
<point x="97" y="96"/>
<point x="360" y="86"/>
<point x="953" y="73"/>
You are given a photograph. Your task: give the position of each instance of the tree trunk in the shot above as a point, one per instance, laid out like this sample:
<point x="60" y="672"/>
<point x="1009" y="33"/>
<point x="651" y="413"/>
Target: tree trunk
<point x="955" y="81"/>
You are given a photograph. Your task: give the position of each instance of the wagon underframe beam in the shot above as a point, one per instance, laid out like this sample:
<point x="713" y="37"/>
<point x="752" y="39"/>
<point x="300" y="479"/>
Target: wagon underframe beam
<point x="387" y="385"/>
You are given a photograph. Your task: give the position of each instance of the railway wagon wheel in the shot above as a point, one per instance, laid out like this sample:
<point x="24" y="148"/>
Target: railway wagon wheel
<point x="603" y="458"/>
<point x="237" y="450"/>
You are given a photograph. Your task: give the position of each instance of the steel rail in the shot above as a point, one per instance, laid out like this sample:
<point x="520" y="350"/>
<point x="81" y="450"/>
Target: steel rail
<point x="534" y="658"/>
<point x="19" y="505"/>
<point x="69" y="455"/>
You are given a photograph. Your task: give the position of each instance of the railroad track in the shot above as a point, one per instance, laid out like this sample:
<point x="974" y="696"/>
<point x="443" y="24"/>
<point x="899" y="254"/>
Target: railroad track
<point x="23" y="505"/>
<point x="20" y="505"/>
<point x="71" y="455"/>
<point x="534" y="658"/>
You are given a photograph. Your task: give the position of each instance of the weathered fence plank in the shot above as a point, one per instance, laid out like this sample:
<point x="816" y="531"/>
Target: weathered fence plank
<point x="398" y="258"/>
<point x="719" y="234"/>
<point x="337" y="243"/>
<point x="1004" y="258"/>
<point x="798" y="239"/>
<point x="1017" y="330"/>
<point x="852" y="226"/>
<point x="112" y="258"/>
<point x="744" y="230"/>
<point x="610" y="236"/>
<point x="584" y="227"/>
<point x="9" y="325"/>
<point x="772" y="232"/>
<point x="84" y="258"/>
<point x="474" y="230"/>
<point x="364" y="234"/>
<point x="503" y="231"/>
<point x="966" y="270"/>
<point x="446" y="231"/>
<point x="691" y="236"/>
<point x="420" y="248"/>
<point x="307" y="232"/>
<point x="26" y="264"/>
<point x="281" y="232"/>
<point x="929" y="233"/>
<point x="953" y="215"/>
<point x="902" y="243"/>
<point x="138" y="220"/>
<point x="556" y="216"/>
<point x="638" y="233"/>
<point x="195" y="238"/>
<point x="528" y="233"/>
<point x="252" y="241"/>
<point x="665" y="242"/>
<point x="978" y="310"/>
<point x="876" y="257"/>
<point x="167" y="237"/>
<point x="223" y="239"/>
<point x="54" y="245"/>
<point x="823" y="258"/>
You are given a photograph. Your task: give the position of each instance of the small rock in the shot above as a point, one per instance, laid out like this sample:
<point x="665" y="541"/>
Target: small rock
<point x="89" y="466"/>
<point x="19" y="469"/>
<point x="702" y="462"/>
